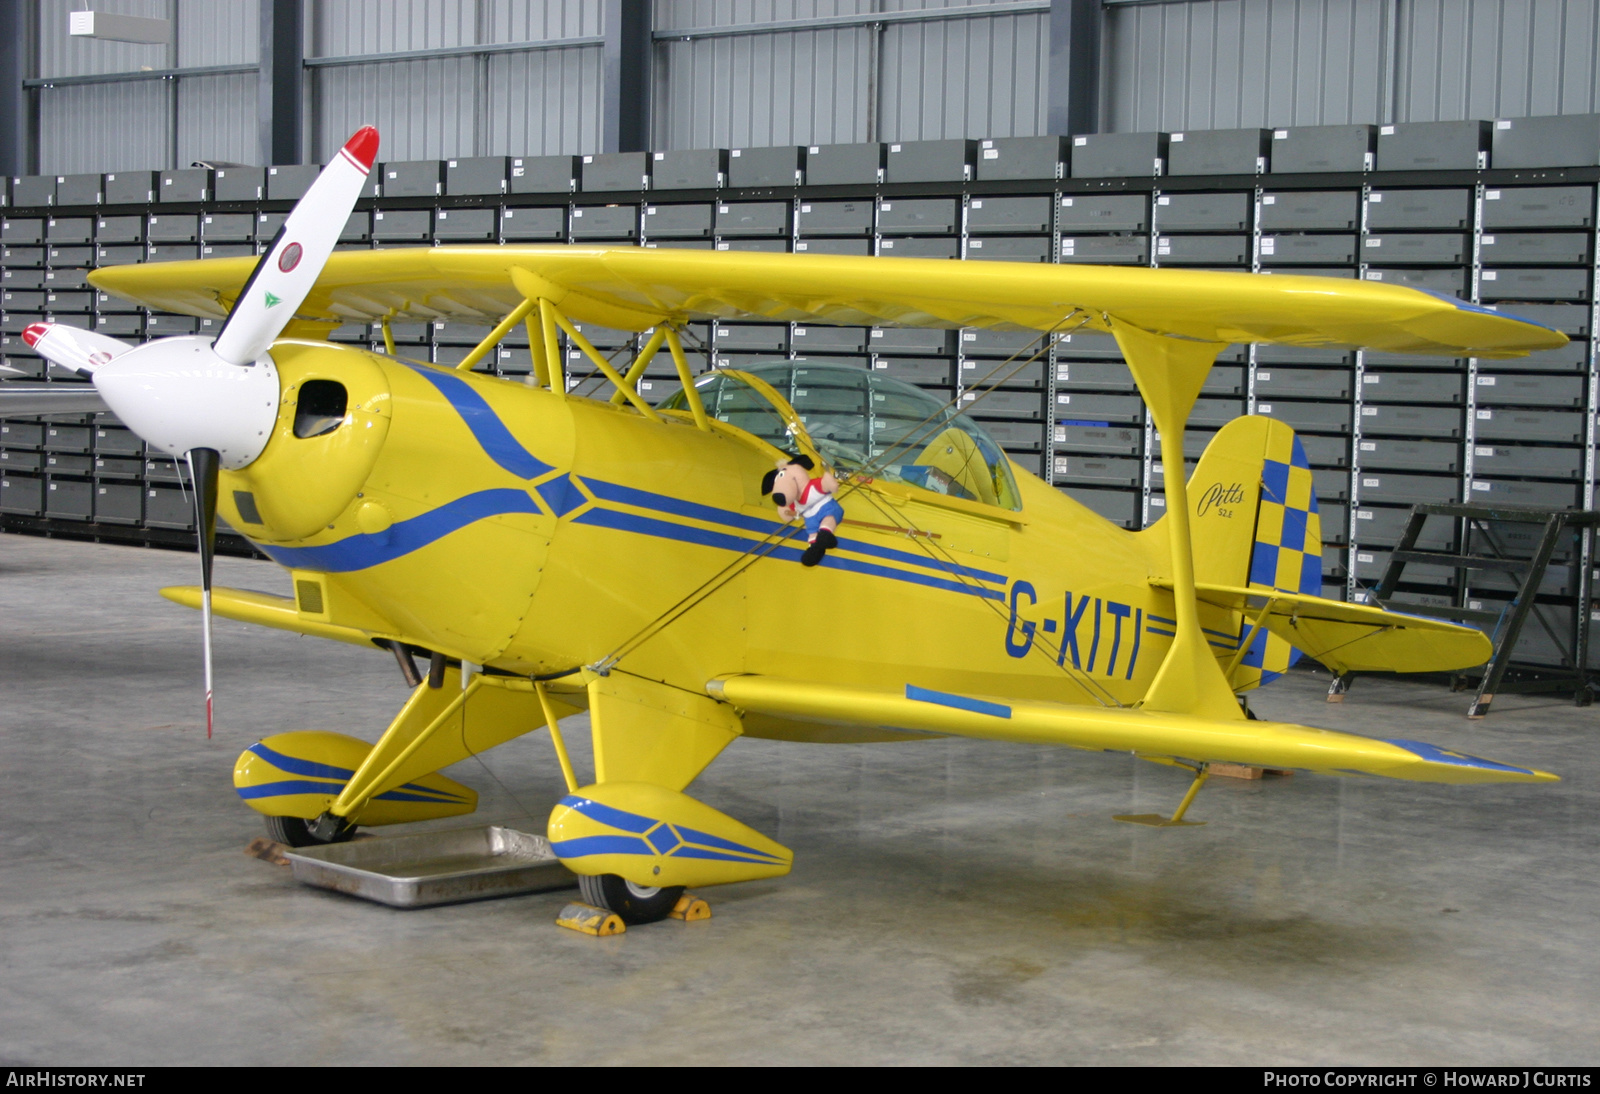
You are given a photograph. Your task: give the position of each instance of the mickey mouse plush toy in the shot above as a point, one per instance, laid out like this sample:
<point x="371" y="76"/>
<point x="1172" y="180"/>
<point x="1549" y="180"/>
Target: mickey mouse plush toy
<point x="796" y="493"/>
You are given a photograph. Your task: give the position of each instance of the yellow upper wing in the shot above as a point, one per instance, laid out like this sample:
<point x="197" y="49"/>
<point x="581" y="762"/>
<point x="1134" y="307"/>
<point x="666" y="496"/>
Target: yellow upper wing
<point x="1154" y="735"/>
<point x="635" y="288"/>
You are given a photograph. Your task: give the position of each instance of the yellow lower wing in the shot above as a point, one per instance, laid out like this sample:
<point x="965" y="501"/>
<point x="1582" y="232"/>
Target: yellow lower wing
<point x="1150" y="734"/>
<point x="1355" y="637"/>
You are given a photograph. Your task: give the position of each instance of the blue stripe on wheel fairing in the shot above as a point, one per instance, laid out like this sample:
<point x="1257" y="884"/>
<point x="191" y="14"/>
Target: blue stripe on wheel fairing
<point x="362" y="551"/>
<point x="487" y="428"/>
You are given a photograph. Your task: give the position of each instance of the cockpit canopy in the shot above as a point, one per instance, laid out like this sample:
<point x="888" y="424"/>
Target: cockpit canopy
<point x="860" y="421"/>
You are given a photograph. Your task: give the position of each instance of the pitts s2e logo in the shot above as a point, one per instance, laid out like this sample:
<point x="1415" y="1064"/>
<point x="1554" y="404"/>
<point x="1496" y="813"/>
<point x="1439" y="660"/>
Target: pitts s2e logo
<point x="1221" y="498"/>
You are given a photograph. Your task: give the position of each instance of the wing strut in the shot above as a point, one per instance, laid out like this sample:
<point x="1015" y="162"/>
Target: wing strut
<point x="1169" y="372"/>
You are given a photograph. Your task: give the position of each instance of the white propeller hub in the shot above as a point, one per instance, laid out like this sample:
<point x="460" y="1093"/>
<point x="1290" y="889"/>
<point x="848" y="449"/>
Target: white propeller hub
<point x="179" y="395"/>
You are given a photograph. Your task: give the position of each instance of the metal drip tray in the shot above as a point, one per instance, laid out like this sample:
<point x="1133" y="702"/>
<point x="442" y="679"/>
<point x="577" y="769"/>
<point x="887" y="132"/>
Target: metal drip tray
<point x="434" y="867"/>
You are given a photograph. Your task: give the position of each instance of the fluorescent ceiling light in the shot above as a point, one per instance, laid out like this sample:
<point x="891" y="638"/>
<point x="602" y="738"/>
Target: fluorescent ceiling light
<point x="118" y="28"/>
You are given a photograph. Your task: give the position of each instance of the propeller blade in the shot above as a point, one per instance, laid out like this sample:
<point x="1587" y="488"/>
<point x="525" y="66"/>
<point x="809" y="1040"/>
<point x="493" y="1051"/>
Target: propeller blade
<point x="291" y="266"/>
<point x="203" y="465"/>
<point x="76" y="350"/>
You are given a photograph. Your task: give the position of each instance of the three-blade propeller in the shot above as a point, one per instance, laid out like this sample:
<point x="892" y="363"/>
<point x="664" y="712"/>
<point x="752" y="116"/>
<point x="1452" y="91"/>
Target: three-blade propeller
<point x="214" y="403"/>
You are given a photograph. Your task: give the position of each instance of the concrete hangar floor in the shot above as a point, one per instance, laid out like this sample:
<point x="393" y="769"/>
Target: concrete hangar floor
<point x="952" y="901"/>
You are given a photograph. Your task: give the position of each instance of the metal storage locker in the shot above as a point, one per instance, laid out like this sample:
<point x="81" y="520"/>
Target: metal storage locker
<point x="1433" y="146"/>
<point x="1007" y="158"/>
<point x="780" y="166"/>
<point x="173" y="252"/>
<point x="534" y="222"/>
<point x="1105" y="213"/>
<point x="1536" y="248"/>
<point x="614" y="172"/>
<point x="69" y="463"/>
<point x="920" y="247"/>
<point x="543" y="175"/>
<point x="1395" y="454"/>
<point x="455" y="224"/>
<point x="1302" y="383"/>
<point x="1118" y="507"/>
<point x="919" y="216"/>
<point x="1218" y="152"/>
<point x="26" y="279"/>
<point x="924" y="371"/>
<point x="1089" y="345"/>
<point x="238" y="184"/>
<point x="1570" y="140"/>
<point x="1318" y="148"/>
<point x="1202" y="212"/>
<point x="1077" y="407"/>
<point x="1307" y="250"/>
<point x="1207" y="250"/>
<point x="677" y="221"/>
<point x="412" y="179"/>
<point x="844" y="164"/>
<point x="168" y="507"/>
<point x="14" y="434"/>
<point x="284" y="183"/>
<point x="1530" y="389"/>
<point x="1406" y="209"/>
<point x="1311" y="210"/>
<point x="475" y="175"/>
<point x="753" y="218"/>
<point x="1110" y="155"/>
<point x="606" y="222"/>
<point x="23" y="256"/>
<point x="68" y="499"/>
<point x="187" y="184"/>
<point x="929" y="161"/>
<point x="1538" y="207"/>
<point x="835" y="218"/>
<point x="15" y="461"/>
<point x="1010" y="248"/>
<point x="1384" y="486"/>
<point x="78" y="189"/>
<point x="752" y="337"/>
<point x="173" y="228"/>
<point x="1331" y="484"/>
<point x="1502" y="424"/>
<point x="1528" y="283"/>
<point x="357" y="227"/>
<point x="1447" y="282"/>
<point x="1216" y="412"/>
<point x="118" y="503"/>
<point x="917" y="340"/>
<point x="1100" y="470"/>
<point x="24" y="229"/>
<point x="688" y="169"/>
<point x="1383" y="527"/>
<point x="815" y="338"/>
<point x="1545" y="495"/>
<point x="835" y="246"/>
<point x="120" y="230"/>
<point x="1223" y="380"/>
<point x="32" y="191"/>
<point x="1106" y="250"/>
<point x="1413" y="387"/>
<point x="1543" y="463"/>
<point x="118" y="255"/>
<point x="267" y="225"/>
<point x="1421" y="247"/>
<point x="1000" y="343"/>
<point x="1412" y="421"/>
<point x="1097" y="438"/>
<point x="21" y="494"/>
<point x="1308" y="417"/>
<point x="991" y="214"/>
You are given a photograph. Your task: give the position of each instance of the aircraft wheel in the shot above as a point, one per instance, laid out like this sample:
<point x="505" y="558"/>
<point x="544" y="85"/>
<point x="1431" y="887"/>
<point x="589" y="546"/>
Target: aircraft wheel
<point x="296" y="832"/>
<point x="634" y="903"/>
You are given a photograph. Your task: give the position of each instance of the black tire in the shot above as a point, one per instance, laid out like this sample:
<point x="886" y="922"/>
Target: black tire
<point x="633" y="903"/>
<point x="296" y="832"/>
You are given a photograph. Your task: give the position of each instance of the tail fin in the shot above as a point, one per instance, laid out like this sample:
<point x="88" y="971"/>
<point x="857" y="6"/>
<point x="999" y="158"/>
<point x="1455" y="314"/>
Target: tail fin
<point x="1255" y="523"/>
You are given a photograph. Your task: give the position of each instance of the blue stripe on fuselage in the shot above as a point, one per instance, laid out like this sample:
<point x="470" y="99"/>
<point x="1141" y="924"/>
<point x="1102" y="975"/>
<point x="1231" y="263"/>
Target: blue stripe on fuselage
<point x="487" y="428"/>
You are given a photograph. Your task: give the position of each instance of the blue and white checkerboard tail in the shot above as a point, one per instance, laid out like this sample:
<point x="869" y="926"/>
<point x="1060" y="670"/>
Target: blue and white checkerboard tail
<point x="1255" y="523"/>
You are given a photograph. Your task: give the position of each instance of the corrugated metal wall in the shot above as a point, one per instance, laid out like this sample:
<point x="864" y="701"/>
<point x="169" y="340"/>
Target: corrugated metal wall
<point x="1175" y="65"/>
<point x="1222" y="64"/>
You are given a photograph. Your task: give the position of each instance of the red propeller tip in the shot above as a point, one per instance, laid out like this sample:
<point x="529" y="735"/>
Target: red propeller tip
<point x="363" y="146"/>
<point x="33" y="332"/>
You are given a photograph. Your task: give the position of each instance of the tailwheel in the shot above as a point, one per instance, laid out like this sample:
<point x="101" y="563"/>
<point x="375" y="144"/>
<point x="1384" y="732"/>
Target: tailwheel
<point x="303" y="832"/>
<point x="634" y="903"/>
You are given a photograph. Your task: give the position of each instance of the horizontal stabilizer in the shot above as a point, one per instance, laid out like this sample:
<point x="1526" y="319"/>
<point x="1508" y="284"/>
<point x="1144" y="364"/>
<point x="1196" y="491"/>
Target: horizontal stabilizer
<point x="1356" y="637"/>
<point x="1157" y="735"/>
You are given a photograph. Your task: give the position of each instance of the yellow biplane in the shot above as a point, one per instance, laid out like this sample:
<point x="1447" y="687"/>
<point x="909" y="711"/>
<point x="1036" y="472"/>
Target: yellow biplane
<point x="546" y="553"/>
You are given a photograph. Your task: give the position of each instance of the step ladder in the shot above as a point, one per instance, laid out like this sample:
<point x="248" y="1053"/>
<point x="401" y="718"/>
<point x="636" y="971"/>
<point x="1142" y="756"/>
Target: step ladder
<point x="1504" y="626"/>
